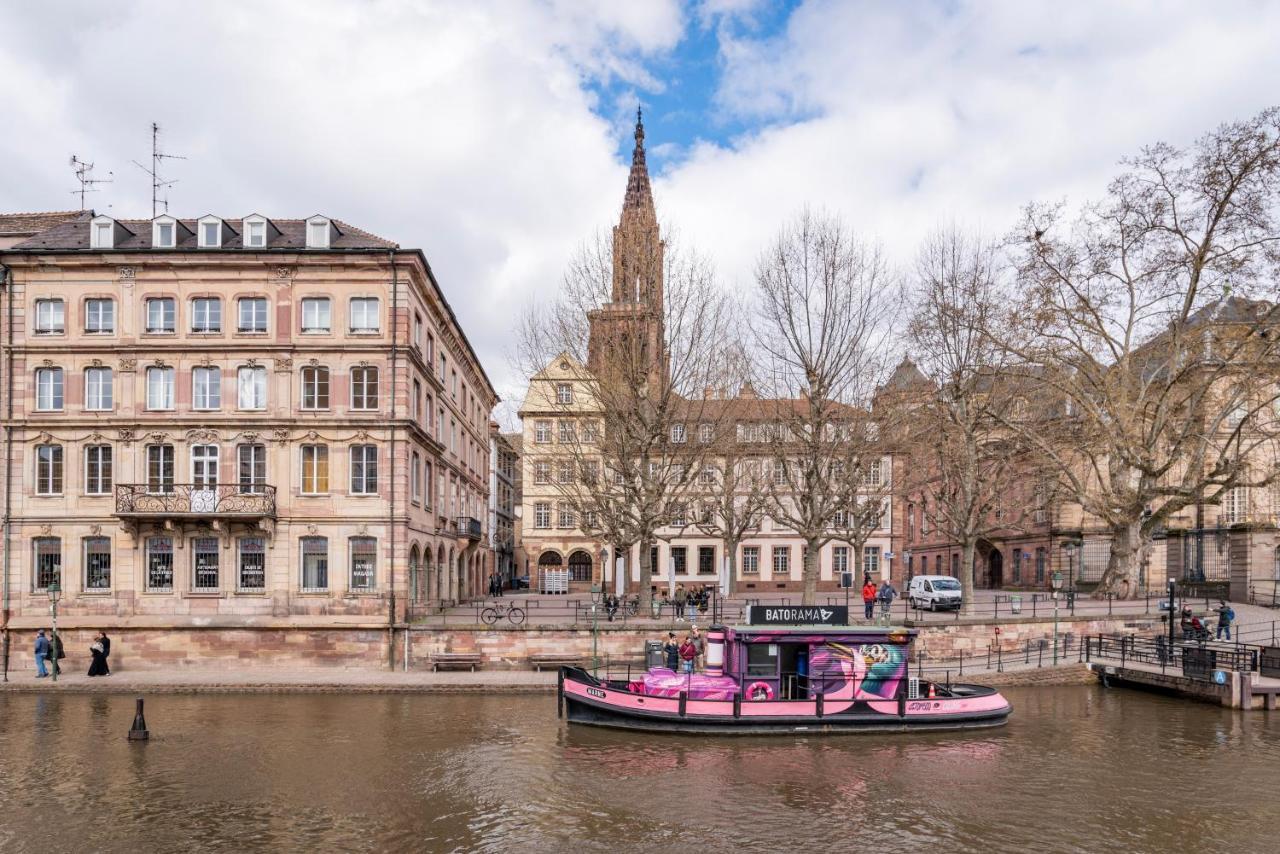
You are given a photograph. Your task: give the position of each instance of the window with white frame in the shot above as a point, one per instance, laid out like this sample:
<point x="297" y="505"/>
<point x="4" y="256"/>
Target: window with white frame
<point x="870" y="560"/>
<point x="781" y="560"/>
<point x="255" y="234"/>
<point x="542" y="514"/>
<point x="315" y="563"/>
<point x="779" y="473"/>
<point x="318" y="234"/>
<point x="840" y="518"/>
<point x="364" y="389"/>
<point x="567" y="517"/>
<point x="160" y="468"/>
<point x="677" y="433"/>
<point x="872" y="476"/>
<point x="426" y="485"/>
<point x="315" y="387"/>
<point x="839" y="559"/>
<point x="1235" y="505"/>
<point x="97" y="563"/>
<point x="49" y="389"/>
<point x="210" y="235"/>
<point x="364" y="314"/>
<point x="103" y="235"/>
<point x="541" y="471"/>
<point x="415" y="477"/>
<point x="251" y="467"/>
<point x="206" y="388"/>
<point x="97" y="469"/>
<point x="51" y="317"/>
<point x="364" y="469"/>
<point x="252" y="314"/>
<point x="750" y="560"/>
<point x="47" y="562"/>
<point x="204" y="563"/>
<point x="162" y="315"/>
<point x="98" y="389"/>
<point x="99" y="316"/>
<point x="165" y="236"/>
<point x="315" y="469"/>
<point x="706" y="433"/>
<point x="564" y="471"/>
<point x="564" y="393"/>
<point x="206" y="314"/>
<point x="417" y="331"/>
<point x="48" y="469"/>
<point x="159" y="564"/>
<point x="251" y="387"/>
<point x="568" y="435"/>
<point x="159" y="388"/>
<point x="364" y="558"/>
<point x="316" y="314"/>
<point x="251" y="559"/>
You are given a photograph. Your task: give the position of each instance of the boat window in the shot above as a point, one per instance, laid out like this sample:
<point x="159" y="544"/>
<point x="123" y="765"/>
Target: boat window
<point x="762" y="659"/>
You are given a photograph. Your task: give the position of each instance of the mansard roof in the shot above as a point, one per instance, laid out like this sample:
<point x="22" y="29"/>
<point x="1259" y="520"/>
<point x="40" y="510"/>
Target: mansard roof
<point x="73" y="234"/>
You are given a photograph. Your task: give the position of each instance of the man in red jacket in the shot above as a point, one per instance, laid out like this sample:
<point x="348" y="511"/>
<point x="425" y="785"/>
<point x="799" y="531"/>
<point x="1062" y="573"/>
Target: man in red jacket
<point x="868" y="598"/>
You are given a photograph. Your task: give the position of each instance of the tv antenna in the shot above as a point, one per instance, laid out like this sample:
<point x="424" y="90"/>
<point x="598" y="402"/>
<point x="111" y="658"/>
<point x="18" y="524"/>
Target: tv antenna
<point x="84" y="174"/>
<point x="158" y="183"/>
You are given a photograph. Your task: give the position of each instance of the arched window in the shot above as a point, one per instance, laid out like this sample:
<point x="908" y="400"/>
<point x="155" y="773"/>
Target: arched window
<point x="580" y="566"/>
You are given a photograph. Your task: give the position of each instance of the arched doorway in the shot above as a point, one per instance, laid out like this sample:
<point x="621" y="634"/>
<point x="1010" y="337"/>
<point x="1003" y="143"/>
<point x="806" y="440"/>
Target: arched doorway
<point x="995" y="569"/>
<point x="547" y="560"/>
<point x="580" y="566"/>
<point x="442" y="578"/>
<point x="417" y="585"/>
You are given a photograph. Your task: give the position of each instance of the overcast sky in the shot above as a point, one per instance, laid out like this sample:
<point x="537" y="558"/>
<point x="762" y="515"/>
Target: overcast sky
<point x="496" y="135"/>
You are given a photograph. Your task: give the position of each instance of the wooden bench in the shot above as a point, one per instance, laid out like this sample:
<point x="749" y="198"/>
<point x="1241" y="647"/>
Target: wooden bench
<point x="554" y="659"/>
<point x="455" y="660"/>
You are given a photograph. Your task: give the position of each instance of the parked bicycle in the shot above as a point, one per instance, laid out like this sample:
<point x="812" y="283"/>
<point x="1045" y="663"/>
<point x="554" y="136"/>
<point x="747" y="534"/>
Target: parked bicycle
<point x="496" y="612"/>
<point x="631" y="605"/>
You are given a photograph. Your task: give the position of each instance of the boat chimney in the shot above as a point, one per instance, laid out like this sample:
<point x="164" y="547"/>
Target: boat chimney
<point x="715" y="652"/>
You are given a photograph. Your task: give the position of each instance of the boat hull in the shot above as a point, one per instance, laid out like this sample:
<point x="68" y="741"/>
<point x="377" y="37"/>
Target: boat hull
<point x="593" y="703"/>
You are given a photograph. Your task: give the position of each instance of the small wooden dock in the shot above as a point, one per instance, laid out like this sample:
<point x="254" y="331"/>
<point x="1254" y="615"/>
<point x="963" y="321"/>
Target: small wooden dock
<point x="1238" y="676"/>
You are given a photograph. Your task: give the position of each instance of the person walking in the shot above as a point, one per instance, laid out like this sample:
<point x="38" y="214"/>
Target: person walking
<point x="1226" y="617"/>
<point x="56" y="653"/>
<point x="42" y="653"/>
<point x="868" y="598"/>
<point x="886" y="594"/>
<point x="681" y="597"/>
<point x="671" y="650"/>
<point x="99" y="651"/>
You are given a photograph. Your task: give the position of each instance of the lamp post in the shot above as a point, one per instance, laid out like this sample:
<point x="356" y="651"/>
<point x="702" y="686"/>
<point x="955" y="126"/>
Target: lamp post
<point x="597" y="595"/>
<point x="1056" y="581"/>
<point x="1069" y="547"/>
<point x="55" y="593"/>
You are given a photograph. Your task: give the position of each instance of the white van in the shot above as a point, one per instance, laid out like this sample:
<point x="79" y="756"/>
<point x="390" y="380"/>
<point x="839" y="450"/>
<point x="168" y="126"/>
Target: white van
<point x="934" y="592"/>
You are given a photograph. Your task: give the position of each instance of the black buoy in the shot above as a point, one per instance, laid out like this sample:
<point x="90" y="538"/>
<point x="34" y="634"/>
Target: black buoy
<point x="138" y="732"/>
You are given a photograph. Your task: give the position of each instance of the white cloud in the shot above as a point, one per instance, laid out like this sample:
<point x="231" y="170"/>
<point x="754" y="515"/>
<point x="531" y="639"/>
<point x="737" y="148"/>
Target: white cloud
<point x="474" y="132"/>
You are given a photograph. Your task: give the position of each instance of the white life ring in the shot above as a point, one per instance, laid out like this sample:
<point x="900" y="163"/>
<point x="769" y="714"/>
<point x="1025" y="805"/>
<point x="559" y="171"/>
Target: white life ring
<point x="756" y="688"/>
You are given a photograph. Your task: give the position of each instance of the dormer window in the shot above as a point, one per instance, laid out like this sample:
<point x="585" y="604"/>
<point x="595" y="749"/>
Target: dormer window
<point x="320" y="232"/>
<point x="257" y="232"/>
<point x="209" y="232"/>
<point x="102" y="233"/>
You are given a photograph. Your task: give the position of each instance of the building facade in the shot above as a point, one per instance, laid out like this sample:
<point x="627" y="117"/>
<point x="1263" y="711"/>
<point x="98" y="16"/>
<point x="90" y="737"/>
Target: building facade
<point x="559" y="409"/>
<point x="238" y="422"/>
<point x="502" y="496"/>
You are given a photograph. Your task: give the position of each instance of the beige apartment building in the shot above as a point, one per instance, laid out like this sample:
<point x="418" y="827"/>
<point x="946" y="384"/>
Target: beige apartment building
<point x="232" y="437"/>
<point x="559" y="408"/>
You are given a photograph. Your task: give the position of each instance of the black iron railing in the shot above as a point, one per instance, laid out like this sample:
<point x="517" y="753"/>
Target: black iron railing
<point x="223" y="499"/>
<point x="469" y="527"/>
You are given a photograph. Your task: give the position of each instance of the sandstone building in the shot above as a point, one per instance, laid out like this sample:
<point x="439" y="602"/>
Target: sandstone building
<point x="237" y="426"/>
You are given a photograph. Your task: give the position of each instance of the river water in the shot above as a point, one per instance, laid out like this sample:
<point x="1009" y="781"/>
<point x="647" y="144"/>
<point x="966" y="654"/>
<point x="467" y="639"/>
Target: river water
<point x="1076" y="769"/>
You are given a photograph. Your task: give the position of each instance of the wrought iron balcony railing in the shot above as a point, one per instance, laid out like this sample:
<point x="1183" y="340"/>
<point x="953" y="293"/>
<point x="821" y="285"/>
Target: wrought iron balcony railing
<point x="469" y="527"/>
<point x="189" y="499"/>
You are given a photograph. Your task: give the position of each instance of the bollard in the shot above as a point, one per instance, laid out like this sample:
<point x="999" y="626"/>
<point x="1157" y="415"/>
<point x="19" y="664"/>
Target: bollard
<point x="138" y="732"/>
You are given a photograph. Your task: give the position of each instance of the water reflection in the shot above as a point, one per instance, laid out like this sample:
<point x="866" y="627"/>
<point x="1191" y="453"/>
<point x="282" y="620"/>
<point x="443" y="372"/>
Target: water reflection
<point x="1077" y="769"/>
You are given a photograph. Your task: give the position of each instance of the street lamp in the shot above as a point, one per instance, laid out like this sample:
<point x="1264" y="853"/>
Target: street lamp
<point x="1070" y="547"/>
<point x="1056" y="581"/>
<point x="55" y="593"/>
<point x="597" y="595"/>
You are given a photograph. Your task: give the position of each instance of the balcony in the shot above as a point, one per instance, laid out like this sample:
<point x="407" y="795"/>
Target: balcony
<point x="138" y="501"/>
<point x="469" y="528"/>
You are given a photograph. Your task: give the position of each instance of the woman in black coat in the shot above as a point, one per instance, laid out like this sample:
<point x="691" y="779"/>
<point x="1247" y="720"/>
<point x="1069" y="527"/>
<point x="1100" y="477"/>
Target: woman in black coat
<point x="100" y="650"/>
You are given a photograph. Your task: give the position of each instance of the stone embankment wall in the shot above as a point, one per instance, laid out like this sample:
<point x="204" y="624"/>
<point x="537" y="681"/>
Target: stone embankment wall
<point x="365" y="646"/>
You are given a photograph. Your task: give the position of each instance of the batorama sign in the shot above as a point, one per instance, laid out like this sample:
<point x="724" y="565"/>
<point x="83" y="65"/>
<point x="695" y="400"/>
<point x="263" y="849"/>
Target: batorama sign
<point x="798" y="615"/>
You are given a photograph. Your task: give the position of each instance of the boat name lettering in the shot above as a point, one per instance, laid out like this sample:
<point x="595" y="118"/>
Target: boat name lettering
<point x="811" y="615"/>
<point x="923" y="706"/>
<point x="596" y="692"/>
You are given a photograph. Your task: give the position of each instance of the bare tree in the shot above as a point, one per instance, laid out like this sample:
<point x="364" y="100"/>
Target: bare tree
<point x="826" y="304"/>
<point x="967" y="468"/>
<point x="730" y="498"/>
<point x="1141" y="315"/>
<point x="622" y="456"/>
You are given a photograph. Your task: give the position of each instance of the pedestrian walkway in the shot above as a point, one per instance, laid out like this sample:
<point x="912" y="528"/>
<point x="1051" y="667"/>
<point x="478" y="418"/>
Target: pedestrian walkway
<point x="307" y="680"/>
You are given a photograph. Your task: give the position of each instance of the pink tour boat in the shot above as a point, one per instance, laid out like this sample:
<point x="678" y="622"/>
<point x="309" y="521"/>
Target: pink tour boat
<point x="775" y="679"/>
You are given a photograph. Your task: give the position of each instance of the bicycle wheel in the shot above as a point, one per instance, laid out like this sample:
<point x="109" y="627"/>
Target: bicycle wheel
<point x="516" y="615"/>
<point x="490" y="616"/>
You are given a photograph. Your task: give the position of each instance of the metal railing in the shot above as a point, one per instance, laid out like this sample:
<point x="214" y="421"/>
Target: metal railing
<point x="222" y="499"/>
<point x="469" y="527"/>
<point x="1196" y="660"/>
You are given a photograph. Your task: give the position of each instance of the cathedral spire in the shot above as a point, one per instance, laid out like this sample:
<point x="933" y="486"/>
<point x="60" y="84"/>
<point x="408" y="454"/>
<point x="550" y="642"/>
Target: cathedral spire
<point x="637" y="204"/>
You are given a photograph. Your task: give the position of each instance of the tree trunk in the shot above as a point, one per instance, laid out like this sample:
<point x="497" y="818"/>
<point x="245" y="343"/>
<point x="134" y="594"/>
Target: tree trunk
<point x="731" y="554"/>
<point x="646" y="576"/>
<point x="968" y="579"/>
<point x="1124" y="565"/>
<point x="811" y="574"/>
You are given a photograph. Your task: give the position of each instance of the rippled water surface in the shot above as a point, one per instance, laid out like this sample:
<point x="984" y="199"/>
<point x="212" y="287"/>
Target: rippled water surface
<point x="1076" y="769"/>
